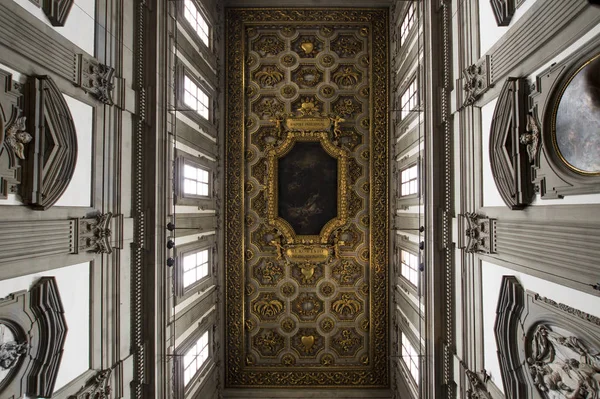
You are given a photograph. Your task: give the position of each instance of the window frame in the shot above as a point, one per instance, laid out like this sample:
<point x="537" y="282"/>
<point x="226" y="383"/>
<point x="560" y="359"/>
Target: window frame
<point x="401" y="182"/>
<point x="181" y="73"/>
<point x="182" y="292"/>
<point x="406" y="364"/>
<point x="414" y="80"/>
<point x="183" y="158"/>
<point x="180" y="387"/>
<point x="402" y="266"/>
<point x="191" y="30"/>
<point x="411" y="14"/>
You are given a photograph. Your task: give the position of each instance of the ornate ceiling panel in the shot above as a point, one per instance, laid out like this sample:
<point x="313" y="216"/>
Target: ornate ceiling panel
<point x="307" y="198"/>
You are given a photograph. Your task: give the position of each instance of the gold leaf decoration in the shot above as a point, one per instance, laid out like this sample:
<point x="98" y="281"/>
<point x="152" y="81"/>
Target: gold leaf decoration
<point x="268" y="76"/>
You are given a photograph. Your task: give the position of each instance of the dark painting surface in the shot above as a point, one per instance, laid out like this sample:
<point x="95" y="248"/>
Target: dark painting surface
<point x="307" y="187"/>
<point x="578" y="120"/>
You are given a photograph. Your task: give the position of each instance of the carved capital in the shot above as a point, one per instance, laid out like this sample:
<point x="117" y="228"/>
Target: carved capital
<point x="476" y="80"/>
<point x="96" y="78"/>
<point x="98" y="387"/>
<point x="95" y="234"/>
<point x="480" y="234"/>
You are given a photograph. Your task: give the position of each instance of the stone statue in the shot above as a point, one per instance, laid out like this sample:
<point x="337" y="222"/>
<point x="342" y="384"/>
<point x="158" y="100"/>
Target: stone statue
<point x="10" y="352"/>
<point x="16" y="137"/>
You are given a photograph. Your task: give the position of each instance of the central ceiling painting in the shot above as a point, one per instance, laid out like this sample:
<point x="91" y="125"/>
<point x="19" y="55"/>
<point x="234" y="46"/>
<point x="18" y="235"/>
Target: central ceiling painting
<point x="307" y="198"/>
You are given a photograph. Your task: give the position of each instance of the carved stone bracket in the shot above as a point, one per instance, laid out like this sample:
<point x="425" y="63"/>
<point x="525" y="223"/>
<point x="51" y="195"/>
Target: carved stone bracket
<point x="95" y="234"/>
<point x="503" y="11"/>
<point x="476" y="80"/>
<point x="478" y="389"/>
<point x="546" y="349"/>
<point x="480" y="234"/>
<point x="95" y="78"/>
<point x="514" y="141"/>
<point x="57" y="11"/>
<point x="97" y="388"/>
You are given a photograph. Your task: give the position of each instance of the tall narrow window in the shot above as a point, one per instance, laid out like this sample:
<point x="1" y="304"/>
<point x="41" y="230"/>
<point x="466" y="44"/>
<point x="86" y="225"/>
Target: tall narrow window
<point x="195" y="267"/>
<point x="408" y="178"/>
<point x="410" y="267"/>
<point x="195" y="181"/>
<point x="409" y="99"/>
<point x="194" y="358"/>
<point x="407" y="22"/>
<point x="411" y="358"/>
<point x="195" y="98"/>
<point x="198" y="22"/>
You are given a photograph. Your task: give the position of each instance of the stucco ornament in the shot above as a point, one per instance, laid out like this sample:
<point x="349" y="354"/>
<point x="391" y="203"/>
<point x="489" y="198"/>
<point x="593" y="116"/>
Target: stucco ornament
<point x="562" y="366"/>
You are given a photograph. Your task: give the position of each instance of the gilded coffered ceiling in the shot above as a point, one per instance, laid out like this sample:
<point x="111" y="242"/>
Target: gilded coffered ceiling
<point x="306" y="197"/>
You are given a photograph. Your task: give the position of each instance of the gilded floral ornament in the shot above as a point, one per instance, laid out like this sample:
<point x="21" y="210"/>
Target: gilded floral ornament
<point x="268" y="107"/>
<point x="309" y="107"/>
<point x="326" y="31"/>
<point x="347" y="306"/>
<point x="346" y="46"/>
<point x="327" y="60"/>
<point x="348" y="107"/>
<point x="288" y="60"/>
<point x="307" y="342"/>
<point x="288" y="289"/>
<point x="288" y="325"/>
<point x="268" y="342"/>
<point x="268" y="45"/>
<point x="267" y="306"/>
<point x="268" y="76"/>
<point x="346" y="342"/>
<point x="327" y="91"/>
<point x="327" y="324"/>
<point x="288" y="91"/>
<point x="347" y="76"/>
<point x="307" y="306"/>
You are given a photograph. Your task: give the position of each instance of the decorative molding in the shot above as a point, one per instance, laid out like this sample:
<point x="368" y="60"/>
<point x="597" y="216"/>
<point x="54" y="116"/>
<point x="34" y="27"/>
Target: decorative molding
<point x="476" y="80"/>
<point x="95" y="78"/>
<point x="57" y="11"/>
<point x="50" y="164"/>
<point x="480" y="234"/>
<point x="576" y="312"/>
<point x="96" y="388"/>
<point x="11" y="124"/>
<point x="511" y="303"/>
<point x="503" y="11"/>
<point x="37" y="318"/>
<point x="11" y="352"/>
<point x="48" y="310"/>
<point x="509" y="154"/>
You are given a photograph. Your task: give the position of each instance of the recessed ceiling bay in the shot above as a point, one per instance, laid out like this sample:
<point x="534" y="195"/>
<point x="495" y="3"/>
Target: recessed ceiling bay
<point x="306" y="247"/>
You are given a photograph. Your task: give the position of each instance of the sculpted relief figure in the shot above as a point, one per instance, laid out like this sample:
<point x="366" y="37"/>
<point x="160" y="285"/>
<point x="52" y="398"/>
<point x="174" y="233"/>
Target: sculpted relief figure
<point x="562" y="366"/>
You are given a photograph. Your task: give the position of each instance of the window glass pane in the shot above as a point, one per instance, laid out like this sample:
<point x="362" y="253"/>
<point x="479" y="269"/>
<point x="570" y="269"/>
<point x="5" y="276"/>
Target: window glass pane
<point x="189" y="262"/>
<point x="189" y="100"/>
<point x="202" y="271"/>
<point x="203" y="256"/>
<point x="203" y="175"/>
<point x="189" y="172"/>
<point x="203" y="189"/>
<point x="189" y="278"/>
<point x="189" y="186"/>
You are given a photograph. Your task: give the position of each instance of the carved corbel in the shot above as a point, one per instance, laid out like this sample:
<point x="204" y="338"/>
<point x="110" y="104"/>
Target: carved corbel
<point x="480" y="234"/>
<point x="476" y="80"/>
<point x="96" y="78"/>
<point x="98" y="387"/>
<point x="478" y="389"/>
<point x="95" y="234"/>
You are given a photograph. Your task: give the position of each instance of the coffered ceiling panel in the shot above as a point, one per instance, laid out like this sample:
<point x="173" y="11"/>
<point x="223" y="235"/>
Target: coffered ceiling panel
<point x="307" y="198"/>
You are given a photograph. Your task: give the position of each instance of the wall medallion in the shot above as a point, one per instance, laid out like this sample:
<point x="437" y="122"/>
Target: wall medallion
<point x="576" y="121"/>
<point x="317" y="278"/>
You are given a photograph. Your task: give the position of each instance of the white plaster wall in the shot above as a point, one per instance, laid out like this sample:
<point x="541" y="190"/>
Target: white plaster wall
<point x="79" y="191"/>
<point x="489" y="30"/>
<point x="74" y="286"/>
<point x="492" y="279"/>
<point x="79" y="27"/>
<point x="491" y="195"/>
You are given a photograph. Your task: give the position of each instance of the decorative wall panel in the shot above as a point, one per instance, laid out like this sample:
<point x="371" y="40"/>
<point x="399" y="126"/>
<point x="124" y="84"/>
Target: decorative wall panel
<point x="306" y="243"/>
